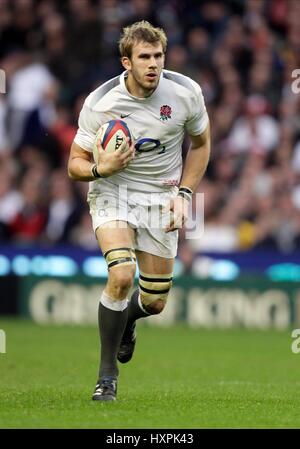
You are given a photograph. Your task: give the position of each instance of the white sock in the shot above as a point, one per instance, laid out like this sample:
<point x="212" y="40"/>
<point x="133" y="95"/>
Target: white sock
<point x="118" y="305"/>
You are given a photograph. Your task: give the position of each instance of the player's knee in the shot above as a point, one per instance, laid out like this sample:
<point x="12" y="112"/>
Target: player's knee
<point x="121" y="279"/>
<point x="121" y="263"/>
<point x="154" y="290"/>
<point x="155" y="307"/>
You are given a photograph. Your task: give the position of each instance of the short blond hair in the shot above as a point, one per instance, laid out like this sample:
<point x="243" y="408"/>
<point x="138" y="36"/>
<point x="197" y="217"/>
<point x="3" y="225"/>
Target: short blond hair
<point x="141" y="31"/>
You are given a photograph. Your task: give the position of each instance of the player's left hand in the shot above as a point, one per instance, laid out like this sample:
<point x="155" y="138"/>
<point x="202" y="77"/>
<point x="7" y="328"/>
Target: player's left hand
<point x="178" y="209"/>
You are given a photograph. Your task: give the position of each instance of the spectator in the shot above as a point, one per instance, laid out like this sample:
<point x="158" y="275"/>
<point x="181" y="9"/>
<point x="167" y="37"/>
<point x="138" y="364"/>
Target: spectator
<point x="256" y="131"/>
<point x="28" y="224"/>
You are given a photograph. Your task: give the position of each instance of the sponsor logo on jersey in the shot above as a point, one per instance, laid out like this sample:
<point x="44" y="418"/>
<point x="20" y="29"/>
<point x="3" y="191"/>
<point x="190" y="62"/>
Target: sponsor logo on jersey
<point x="171" y="182"/>
<point x="165" y="112"/>
<point x="126" y="115"/>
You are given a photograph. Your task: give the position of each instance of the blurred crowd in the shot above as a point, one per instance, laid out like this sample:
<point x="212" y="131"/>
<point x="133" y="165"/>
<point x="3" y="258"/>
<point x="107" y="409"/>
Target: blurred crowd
<point x="243" y="53"/>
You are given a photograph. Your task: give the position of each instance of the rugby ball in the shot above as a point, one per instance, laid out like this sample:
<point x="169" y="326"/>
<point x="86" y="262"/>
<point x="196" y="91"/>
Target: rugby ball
<point x="111" y="136"/>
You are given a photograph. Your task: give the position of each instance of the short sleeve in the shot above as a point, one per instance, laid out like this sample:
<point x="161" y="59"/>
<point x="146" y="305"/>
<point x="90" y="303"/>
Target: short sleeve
<point x="198" y="118"/>
<point x="88" y="125"/>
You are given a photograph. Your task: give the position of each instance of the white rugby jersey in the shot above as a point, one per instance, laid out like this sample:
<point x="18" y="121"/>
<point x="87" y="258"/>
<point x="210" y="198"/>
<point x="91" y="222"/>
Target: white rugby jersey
<point x="157" y="124"/>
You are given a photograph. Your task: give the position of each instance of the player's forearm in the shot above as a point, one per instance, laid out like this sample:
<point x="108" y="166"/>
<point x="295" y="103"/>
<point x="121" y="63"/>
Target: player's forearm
<point x="80" y="169"/>
<point x="195" y="166"/>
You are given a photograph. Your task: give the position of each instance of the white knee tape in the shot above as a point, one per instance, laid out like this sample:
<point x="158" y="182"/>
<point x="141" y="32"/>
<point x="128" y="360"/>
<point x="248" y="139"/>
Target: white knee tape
<point x="154" y="286"/>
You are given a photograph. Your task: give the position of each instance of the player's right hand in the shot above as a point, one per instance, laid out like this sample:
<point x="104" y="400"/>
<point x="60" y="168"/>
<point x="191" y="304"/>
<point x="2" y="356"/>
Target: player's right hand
<point x="111" y="163"/>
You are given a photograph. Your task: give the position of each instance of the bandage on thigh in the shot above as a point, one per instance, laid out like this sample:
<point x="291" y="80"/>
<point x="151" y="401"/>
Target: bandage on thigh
<point x="118" y="256"/>
<point x="154" y="286"/>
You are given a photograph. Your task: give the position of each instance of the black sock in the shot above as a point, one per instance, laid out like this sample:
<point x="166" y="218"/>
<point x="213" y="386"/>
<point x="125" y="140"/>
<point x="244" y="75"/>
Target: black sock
<point x="111" y="327"/>
<point x="134" y="311"/>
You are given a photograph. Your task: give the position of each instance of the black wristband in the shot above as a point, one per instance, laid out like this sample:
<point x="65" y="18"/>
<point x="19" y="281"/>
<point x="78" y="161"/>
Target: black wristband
<point x="186" y="193"/>
<point x="95" y="172"/>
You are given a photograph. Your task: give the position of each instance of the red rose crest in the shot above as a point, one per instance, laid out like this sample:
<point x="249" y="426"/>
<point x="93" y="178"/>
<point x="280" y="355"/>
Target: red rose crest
<point x="165" y="112"/>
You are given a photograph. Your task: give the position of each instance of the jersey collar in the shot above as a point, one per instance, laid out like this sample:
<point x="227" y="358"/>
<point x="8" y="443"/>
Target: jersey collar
<point x="154" y="94"/>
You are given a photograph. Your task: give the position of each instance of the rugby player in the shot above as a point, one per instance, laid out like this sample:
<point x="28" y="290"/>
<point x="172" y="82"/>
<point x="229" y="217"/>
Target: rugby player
<point x="139" y="180"/>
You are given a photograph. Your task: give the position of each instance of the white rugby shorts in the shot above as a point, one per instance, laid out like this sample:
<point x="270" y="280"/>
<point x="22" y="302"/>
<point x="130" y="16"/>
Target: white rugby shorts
<point x="141" y="210"/>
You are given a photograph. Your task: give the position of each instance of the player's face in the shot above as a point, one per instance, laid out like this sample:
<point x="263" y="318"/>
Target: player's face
<point x="144" y="68"/>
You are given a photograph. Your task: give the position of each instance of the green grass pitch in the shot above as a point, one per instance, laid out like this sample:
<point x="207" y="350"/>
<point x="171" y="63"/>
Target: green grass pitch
<point x="178" y="378"/>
